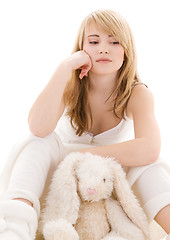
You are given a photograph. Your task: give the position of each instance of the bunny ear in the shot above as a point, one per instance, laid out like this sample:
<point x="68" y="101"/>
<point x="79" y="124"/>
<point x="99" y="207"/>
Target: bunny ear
<point x="63" y="200"/>
<point x="128" y="200"/>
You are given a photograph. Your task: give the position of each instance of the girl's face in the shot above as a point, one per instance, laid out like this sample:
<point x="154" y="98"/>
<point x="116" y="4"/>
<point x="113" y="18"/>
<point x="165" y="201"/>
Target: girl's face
<point x="107" y="55"/>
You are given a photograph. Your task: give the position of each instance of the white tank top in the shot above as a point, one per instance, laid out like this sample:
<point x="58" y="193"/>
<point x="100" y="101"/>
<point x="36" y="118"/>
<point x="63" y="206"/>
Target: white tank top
<point x="122" y="132"/>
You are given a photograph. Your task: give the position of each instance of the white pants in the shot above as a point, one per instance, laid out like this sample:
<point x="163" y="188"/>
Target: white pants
<point x="152" y="189"/>
<point x="39" y="158"/>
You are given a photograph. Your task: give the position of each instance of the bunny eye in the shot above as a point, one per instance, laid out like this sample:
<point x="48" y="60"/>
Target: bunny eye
<point x="104" y="179"/>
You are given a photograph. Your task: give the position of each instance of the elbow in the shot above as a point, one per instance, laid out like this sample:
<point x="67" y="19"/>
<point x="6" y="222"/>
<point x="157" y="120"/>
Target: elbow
<point x="37" y="130"/>
<point x="153" y="158"/>
<point x="32" y="127"/>
<point x="37" y="133"/>
<point x="153" y="155"/>
<point x="150" y="150"/>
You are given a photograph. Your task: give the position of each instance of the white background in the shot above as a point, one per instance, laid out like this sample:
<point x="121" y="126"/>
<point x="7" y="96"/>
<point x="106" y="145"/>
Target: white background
<point x="36" y="35"/>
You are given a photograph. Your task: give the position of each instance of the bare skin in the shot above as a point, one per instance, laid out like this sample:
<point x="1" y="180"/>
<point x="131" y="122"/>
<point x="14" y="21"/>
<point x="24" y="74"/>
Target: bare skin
<point x="163" y="218"/>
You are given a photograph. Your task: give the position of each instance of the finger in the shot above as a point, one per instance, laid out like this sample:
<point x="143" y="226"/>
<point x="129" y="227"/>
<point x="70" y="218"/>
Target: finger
<point x="82" y="75"/>
<point x="84" y="72"/>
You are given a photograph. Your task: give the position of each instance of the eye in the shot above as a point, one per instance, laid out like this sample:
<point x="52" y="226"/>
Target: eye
<point x="104" y="179"/>
<point x="114" y="43"/>
<point x="93" y="42"/>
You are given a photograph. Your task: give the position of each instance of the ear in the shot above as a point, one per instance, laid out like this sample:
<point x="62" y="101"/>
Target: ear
<point x="63" y="200"/>
<point x="127" y="199"/>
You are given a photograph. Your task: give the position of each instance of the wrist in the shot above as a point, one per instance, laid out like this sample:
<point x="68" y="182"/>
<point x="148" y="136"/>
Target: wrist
<point x="68" y="64"/>
<point x="64" y="71"/>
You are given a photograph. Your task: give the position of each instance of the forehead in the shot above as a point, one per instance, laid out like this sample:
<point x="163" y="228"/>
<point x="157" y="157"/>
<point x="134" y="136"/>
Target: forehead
<point x="93" y="29"/>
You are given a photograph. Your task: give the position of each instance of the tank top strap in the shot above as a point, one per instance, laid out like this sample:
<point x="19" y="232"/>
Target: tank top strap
<point x="138" y="83"/>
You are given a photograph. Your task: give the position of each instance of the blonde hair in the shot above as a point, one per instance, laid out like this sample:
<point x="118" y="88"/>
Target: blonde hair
<point x="75" y="95"/>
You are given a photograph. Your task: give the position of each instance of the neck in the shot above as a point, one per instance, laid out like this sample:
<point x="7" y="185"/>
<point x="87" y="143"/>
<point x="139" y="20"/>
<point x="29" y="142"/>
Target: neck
<point x="104" y="84"/>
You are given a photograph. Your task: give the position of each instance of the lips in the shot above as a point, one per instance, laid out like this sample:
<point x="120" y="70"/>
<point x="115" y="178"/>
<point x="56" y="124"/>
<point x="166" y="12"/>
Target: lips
<point x="103" y="60"/>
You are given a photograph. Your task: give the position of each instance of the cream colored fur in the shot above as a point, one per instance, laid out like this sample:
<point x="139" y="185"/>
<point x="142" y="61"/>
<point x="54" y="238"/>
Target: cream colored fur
<point x="90" y="199"/>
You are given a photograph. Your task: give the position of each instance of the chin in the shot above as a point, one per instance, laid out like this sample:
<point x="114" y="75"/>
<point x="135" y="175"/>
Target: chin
<point x="103" y="71"/>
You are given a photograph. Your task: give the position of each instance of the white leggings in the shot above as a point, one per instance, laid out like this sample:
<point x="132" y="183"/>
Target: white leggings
<point x="38" y="159"/>
<point x="152" y="189"/>
<point x="33" y="168"/>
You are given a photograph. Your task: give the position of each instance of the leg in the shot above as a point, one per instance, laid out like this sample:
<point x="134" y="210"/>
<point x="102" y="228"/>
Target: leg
<point x="33" y="164"/>
<point x="153" y="191"/>
<point x="26" y="184"/>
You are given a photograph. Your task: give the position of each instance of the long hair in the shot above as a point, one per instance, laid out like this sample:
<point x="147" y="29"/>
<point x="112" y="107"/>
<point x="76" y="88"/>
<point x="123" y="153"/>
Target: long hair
<point x="75" y="95"/>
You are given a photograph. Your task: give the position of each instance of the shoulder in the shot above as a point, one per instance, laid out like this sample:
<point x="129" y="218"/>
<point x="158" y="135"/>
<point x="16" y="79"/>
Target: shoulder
<point x="141" y="100"/>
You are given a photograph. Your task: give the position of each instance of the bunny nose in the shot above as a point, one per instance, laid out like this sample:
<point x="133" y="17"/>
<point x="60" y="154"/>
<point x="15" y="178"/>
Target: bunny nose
<point x="91" y="191"/>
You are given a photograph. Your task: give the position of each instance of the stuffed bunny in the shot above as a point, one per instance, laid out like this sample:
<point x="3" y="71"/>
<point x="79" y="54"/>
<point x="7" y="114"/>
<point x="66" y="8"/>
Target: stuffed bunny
<point x="90" y="199"/>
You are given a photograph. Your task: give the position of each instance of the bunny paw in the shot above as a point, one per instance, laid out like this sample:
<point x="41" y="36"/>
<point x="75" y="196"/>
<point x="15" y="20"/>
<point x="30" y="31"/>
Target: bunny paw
<point x="59" y="229"/>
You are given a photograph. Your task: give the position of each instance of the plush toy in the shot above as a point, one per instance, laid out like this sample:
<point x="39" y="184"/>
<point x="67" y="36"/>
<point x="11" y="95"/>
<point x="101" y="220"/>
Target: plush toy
<point x="90" y="199"/>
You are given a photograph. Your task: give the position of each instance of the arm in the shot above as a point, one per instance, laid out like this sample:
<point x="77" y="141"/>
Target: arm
<point x="145" y="148"/>
<point x="49" y="106"/>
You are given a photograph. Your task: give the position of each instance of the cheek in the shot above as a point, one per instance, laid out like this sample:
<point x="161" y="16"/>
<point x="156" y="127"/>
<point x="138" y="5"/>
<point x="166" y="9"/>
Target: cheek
<point x="119" y="57"/>
<point x="86" y="48"/>
<point x="89" y="51"/>
<point x="121" y="53"/>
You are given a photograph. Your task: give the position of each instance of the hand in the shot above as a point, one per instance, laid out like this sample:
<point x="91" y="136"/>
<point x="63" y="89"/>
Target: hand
<point x="81" y="60"/>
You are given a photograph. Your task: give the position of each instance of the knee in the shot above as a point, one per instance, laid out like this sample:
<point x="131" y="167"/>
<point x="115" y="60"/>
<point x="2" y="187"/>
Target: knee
<point x="54" y="145"/>
<point x="37" y="152"/>
<point x="51" y="144"/>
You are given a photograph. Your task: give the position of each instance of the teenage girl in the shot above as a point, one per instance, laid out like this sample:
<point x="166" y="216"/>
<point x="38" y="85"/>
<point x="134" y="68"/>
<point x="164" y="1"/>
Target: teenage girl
<point x="96" y="103"/>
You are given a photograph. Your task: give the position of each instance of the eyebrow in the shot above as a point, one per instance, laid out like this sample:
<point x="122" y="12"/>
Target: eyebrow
<point x="93" y="35"/>
<point x="96" y="35"/>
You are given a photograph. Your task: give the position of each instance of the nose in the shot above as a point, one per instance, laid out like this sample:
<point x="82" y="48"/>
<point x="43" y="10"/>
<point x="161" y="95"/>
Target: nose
<point x="106" y="52"/>
<point x="91" y="191"/>
<point x="103" y="48"/>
